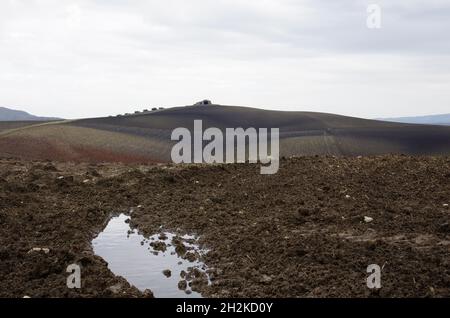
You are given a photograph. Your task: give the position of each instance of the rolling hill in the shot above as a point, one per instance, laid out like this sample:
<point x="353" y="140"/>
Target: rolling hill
<point x="145" y="137"/>
<point x="7" y="114"/>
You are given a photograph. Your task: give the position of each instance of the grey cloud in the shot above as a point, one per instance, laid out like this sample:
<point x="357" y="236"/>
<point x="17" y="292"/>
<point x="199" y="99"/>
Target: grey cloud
<point x="102" y="54"/>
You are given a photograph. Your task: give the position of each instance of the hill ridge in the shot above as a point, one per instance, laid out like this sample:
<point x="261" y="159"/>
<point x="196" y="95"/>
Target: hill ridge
<point x="147" y="136"/>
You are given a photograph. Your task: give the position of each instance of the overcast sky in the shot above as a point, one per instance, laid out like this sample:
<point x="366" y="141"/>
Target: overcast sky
<point x="90" y="58"/>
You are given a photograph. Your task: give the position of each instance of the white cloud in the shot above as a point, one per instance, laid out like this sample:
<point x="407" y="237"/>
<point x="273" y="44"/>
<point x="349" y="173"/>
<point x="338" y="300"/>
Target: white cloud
<point x="89" y="58"/>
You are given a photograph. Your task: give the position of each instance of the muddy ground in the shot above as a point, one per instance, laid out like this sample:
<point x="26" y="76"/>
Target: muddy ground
<point x="299" y="233"/>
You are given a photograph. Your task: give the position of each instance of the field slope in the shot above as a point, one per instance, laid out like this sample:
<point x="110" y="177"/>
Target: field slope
<point x="145" y="137"/>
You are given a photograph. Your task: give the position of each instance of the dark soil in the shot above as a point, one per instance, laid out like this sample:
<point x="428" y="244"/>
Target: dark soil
<point x="298" y="233"/>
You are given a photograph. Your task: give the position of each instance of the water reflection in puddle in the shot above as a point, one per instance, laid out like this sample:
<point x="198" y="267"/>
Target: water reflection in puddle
<point x="144" y="262"/>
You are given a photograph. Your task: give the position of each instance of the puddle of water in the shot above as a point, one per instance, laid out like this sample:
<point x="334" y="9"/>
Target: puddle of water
<point x="133" y="257"/>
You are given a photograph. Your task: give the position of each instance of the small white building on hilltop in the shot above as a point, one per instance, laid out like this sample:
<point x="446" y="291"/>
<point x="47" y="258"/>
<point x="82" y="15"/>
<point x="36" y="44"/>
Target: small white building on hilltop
<point x="204" y="102"/>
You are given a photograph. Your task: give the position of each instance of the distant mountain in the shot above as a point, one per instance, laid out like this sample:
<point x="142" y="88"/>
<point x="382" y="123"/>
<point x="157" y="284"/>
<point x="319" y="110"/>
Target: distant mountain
<point x="7" y="114"/>
<point x="443" y="119"/>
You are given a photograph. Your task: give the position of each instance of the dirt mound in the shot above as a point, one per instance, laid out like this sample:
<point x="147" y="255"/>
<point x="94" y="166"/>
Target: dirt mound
<point x="310" y="230"/>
